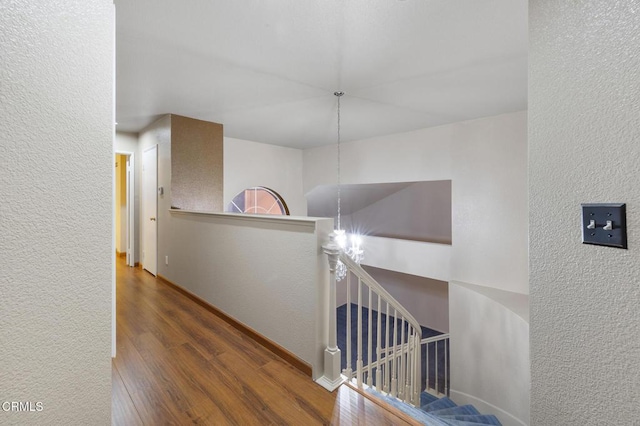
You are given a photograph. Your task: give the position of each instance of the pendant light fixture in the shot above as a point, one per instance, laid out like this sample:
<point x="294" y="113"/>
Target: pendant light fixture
<point x="355" y="250"/>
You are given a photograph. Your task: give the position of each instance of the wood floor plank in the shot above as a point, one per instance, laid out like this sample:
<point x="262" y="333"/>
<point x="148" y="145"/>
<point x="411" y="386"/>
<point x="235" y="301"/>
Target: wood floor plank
<point x="222" y="387"/>
<point x="179" y="388"/>
<point x="177" y="363"/>
<point x="310" y="397"/>
<point x="123" y="411"/>
<point x="269" y="394"/>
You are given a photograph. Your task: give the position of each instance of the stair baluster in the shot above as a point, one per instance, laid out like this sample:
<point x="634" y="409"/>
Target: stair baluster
<point x="349" y="369"/>
<point x="359" y="348"/>
<point x="378" y="342"/>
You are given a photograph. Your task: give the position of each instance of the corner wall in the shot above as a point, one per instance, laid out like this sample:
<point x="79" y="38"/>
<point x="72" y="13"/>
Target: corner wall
<point x="584" y="129"/>
<point x="56" y="175"/>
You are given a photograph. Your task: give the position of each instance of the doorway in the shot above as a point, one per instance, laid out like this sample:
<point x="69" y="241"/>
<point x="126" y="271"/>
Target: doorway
<point x="124" y="207"/>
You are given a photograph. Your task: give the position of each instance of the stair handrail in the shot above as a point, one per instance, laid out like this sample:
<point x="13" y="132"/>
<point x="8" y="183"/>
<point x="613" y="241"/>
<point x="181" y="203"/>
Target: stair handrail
<point x="358" y="271"/>
<point x="397" y="368"/>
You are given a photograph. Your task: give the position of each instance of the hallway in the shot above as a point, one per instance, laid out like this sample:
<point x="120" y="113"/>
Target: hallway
<point x="178" y="363"/>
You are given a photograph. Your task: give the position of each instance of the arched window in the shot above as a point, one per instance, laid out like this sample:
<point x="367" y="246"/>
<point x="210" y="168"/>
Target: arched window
<point x="258" y="200"/>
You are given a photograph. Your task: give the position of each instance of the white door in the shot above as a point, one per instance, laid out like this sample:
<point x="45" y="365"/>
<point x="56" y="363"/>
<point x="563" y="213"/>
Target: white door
<point x="150" y="209"/>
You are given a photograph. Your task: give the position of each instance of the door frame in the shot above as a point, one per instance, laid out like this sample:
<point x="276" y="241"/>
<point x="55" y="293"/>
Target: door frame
<point x="131" y="206"/>
<point x="144" y="214"/>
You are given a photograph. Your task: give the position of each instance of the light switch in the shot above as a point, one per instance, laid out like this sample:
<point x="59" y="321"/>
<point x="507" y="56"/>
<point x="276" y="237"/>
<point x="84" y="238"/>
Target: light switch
<point x="604" y="224"/>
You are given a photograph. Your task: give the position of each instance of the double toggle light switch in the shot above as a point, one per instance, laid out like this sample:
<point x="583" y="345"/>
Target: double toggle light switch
<point x="607" y="227"/>
<point x="604" y="224"/>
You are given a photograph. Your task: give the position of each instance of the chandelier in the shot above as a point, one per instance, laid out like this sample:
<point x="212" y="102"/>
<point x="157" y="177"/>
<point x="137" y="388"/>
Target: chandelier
<point x="354" y="250"/>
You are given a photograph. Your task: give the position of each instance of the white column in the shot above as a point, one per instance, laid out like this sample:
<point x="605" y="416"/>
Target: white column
<point x="332" y="378"/>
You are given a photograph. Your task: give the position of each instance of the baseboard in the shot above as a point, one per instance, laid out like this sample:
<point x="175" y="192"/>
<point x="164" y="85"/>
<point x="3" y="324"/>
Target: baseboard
<point x="121" y="253"/>
<point x="507" y="419"/>
<point x="262" y="340"/>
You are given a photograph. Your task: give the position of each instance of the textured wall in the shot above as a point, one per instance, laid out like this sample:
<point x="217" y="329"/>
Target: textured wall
<point x="248" y="164"/>
<point x="584" y="129"/>
<point x="196" y="164"/>
<point x="56" y="171"/>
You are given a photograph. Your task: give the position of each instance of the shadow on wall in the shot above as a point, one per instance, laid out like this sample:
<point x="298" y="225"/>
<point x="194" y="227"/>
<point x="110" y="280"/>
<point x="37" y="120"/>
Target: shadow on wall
<point x="417" y="211"/>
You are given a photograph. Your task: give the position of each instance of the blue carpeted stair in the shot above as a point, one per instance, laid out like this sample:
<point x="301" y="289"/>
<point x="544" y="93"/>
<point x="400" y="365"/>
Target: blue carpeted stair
<point x="433" y="410"/>
<point x="429" y="352"/>
<point x="441" y="411"/>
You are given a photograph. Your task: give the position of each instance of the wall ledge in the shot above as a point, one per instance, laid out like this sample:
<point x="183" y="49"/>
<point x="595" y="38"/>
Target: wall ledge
<point x="517" y="303"/>
<point x="295" y="221"/>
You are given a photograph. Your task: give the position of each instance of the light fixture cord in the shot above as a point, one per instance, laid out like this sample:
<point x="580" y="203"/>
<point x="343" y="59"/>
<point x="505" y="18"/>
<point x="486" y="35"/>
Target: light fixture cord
<point x="338" y="94"/>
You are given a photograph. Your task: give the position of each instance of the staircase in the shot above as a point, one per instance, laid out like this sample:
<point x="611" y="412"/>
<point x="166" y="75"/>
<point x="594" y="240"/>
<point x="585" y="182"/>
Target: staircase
<point x="378" y="346"/>
<point x="440" y="411"/>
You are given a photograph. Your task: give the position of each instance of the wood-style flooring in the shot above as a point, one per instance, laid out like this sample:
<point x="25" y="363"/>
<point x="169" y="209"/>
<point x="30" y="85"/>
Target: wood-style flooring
<point x="177" y="363"/>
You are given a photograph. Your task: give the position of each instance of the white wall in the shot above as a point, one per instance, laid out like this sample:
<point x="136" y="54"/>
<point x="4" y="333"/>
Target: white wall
<point x="403" y="157"/>
<point x="486" y="161"/>
<point x="56" y="171"/>
<point x="267" y="272"/>
<point x="490" y="351"/>
<point x="128" y="142"/>
<point x="254" y="269"/>
<point x="248" y="164"/>
<point x="489" y="202"/>
<point x="584" y="129"/>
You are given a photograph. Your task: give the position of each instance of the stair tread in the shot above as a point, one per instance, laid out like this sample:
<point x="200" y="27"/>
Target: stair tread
<point x="485" y="419"/>
<point x="463" y="423"/>
<point x="441" y="403"/>
<point x="416" y="413"/>
<point x="427" y="398"/>
<point x="461" y="409"/>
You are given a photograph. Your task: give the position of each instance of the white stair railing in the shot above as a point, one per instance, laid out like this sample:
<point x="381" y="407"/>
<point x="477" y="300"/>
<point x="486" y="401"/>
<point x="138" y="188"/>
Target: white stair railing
<point x="390" y="359"/>
<point x="436" y="350"/>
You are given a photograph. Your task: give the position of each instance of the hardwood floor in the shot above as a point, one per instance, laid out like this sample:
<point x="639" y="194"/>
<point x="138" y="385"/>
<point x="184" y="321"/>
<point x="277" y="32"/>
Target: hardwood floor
<point x="177" y="363"/>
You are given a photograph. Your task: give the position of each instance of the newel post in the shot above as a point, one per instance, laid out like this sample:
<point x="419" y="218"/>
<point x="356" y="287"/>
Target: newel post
<point x="332" y="377"/>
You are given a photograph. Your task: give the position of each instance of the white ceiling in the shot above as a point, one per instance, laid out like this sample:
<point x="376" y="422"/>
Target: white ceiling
<point x="267" y="69"/>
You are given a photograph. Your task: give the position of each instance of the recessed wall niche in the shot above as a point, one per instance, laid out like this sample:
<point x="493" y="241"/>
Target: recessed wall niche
<point x="196" y="164"/>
